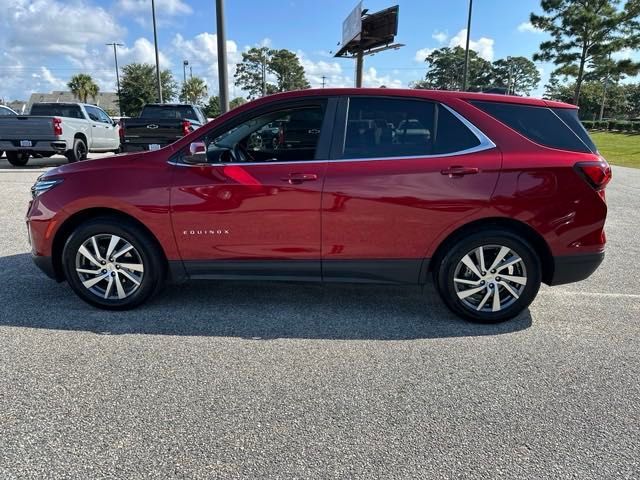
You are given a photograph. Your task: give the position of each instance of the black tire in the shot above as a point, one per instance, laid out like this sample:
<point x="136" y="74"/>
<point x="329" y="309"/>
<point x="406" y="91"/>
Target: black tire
<point x="78" y="152"/>
<point x="17" y="159"/>
<point x="452" y="264"/>
<point x="145" y="251"/>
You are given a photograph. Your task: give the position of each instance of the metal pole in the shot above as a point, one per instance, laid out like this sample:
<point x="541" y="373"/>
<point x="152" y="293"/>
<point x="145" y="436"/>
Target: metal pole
<point x="222" y="58"/>
<point x="115" y="56"/>
<point x="465" y="75"/>
<point x="155" y="41"/>
<point x="359" y="68"/>
<point x="184" y="71"/>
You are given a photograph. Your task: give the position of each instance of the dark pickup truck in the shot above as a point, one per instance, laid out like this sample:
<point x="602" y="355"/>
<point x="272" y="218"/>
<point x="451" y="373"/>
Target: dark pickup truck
<point x="159" y="125"/>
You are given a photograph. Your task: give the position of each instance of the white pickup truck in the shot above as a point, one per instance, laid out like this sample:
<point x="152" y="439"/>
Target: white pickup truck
<point x="71" y="129"/>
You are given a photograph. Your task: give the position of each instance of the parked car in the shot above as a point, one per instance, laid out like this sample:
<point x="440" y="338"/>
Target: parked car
<point x="160" y="124"/>
<point x="5" y="112"/>
<point x="71" y="129"/>
<point x="502" y="194"/>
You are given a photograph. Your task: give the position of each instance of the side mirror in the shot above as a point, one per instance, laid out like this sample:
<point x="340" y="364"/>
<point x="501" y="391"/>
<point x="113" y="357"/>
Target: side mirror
<point x="196" y="148"/>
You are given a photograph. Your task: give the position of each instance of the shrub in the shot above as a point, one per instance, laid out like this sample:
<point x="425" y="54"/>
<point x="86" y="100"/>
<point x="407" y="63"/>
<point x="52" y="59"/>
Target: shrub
<point x="588" y="124"/>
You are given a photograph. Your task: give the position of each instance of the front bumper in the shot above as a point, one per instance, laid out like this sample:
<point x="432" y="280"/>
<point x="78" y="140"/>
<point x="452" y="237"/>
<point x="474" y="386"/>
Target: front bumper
<point x="46" y="265"/>
<point x="573" y="268"/>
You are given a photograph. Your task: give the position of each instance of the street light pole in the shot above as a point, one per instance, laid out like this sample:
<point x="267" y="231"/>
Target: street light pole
<point x="184" y="71"/>
<point x="222" y="58"/>
<point x="115" y="56"/>
<point x="155" y="41"/>
<point x="465" y="75"/>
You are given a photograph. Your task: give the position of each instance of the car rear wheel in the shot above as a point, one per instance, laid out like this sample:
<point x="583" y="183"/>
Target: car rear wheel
<point x="78" y="152"/>
<point x="112" y="264"/>
<point x="489" y="277"/>
<point x="17" y="159"/>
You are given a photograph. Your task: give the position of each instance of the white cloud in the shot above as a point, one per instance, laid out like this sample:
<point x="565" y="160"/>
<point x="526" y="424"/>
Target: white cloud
<point x="370" y="78"/>
<point x="422" y="54"/>
<point x="440" y="37"/>
<point x="163" y="7"/>
<point x="483" y="46"/>
<point x="528" y="27"/>
<point x="55" y="27"/>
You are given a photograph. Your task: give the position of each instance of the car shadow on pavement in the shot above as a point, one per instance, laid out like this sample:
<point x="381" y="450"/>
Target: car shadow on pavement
<point x="251" y="310"/>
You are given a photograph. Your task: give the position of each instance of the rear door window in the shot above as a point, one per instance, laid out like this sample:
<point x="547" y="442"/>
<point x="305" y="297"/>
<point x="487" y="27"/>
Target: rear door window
<point x="388" y="127"/>
<point x="57" y="110"/>
<point x="542" y="125"/>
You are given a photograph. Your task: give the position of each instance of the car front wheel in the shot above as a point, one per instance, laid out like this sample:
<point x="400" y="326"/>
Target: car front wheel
<point x="112" y="264"/>
<point x="489" y="277"/>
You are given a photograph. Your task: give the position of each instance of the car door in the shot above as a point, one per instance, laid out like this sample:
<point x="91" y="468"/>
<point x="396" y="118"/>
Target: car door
<point x="111" y="135"/>
<point x="98" y="134"/>
<point x="406" y="170"/>
<point x="241" y="207"/>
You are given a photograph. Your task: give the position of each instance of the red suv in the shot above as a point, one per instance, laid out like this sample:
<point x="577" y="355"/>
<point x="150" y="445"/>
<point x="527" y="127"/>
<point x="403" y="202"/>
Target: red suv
<point x="489" y="195"/>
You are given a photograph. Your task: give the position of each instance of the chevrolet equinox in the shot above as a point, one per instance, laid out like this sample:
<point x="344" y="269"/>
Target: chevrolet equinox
<point x="488" y="195"/>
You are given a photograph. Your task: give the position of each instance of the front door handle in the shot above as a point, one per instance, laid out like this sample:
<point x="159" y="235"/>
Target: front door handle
<point x="297" y="178"/>
<point x="459" y="171"/>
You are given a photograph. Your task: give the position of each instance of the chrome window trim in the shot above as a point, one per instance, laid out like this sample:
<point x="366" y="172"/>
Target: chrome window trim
<point x="485" y="144"/>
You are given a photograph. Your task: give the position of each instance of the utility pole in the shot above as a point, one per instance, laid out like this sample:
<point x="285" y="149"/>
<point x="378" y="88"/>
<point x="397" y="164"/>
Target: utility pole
<point x="190" y="72"/>
<point x="510" y="76"/>
<point x="359" y="68"/>
<point x="184" y="71"/>
<point x="465" y="75"/>
<point x="115" y="56"/>
<point x="155" y="41"/>
<point x="323" y="79"/>
<point x="223" y="86"/>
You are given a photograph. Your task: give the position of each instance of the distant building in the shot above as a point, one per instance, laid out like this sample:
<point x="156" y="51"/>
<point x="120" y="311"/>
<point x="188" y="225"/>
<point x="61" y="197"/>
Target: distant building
<point x="106" y="100"/>
<point x="18" y="106"/>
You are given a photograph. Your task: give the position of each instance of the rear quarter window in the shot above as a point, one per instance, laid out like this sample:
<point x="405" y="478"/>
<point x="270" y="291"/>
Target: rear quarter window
<point x="555" y="128"/>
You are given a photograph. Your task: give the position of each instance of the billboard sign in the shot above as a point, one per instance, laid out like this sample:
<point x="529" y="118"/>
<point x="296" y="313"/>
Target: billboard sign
<point x="352" y="25"/>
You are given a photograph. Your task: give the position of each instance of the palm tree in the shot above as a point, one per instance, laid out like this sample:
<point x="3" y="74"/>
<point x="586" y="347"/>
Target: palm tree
<point x="194" y="90"/>
<point x="82" y="86"/>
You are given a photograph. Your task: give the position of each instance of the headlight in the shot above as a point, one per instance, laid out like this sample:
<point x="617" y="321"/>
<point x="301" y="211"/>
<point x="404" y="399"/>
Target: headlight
<point x="44" y="185"/>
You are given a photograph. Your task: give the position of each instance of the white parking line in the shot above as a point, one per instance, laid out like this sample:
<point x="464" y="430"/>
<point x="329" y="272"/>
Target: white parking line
<point x="592" y="294"/>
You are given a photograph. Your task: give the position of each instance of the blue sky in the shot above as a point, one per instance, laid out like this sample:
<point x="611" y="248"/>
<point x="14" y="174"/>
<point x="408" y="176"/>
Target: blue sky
<point x="44" y="42"/>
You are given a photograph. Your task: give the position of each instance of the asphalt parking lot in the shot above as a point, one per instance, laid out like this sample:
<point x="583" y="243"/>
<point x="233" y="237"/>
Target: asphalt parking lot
<point x="303" y="381"/>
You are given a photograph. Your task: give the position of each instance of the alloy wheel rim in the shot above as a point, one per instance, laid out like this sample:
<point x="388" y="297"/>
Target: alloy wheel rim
<point x="109" y="267"/>
<point x="490" y="278"/>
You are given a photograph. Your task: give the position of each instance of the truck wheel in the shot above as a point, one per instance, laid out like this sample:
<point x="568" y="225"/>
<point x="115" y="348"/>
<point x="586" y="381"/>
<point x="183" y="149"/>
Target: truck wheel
<point x="79" y="151"/>
<point x="17" y="159"/>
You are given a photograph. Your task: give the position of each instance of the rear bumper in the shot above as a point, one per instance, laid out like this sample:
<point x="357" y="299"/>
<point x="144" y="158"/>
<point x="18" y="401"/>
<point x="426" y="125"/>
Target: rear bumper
<point x="573" y="268"/>
<point x="54" y="146"/>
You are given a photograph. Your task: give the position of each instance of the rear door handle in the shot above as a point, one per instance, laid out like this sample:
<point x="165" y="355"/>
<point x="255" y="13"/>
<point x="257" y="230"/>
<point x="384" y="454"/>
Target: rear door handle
<point x="459" y="171"/>
<point x="297" y="178"/>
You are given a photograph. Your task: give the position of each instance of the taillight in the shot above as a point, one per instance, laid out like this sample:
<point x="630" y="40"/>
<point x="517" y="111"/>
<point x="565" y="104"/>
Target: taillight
<point x="57" y="126"/>
<point x="186" y="127"/>
<point x="597" y="174"/>
<point x="121" y="131"/>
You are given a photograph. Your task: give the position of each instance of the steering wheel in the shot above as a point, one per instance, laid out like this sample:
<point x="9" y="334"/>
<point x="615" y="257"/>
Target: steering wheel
<point x="241" y="154"/>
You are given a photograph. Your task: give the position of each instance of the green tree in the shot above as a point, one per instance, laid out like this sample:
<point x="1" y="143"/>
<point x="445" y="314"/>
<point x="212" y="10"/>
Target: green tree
<point x="289" y="73"/>
<point x="82" y="86"/>
<point x="261" y="63"/>
<point x="251" y="73"/>
<point x="236" y="102"/>
<point x="138" y="87"/>
<point x="584" y="31"/>
<point x="518" y="75"/>
<point x="446" y="67"/>
<point x="632" y="95"/>
<point x="591" y="98"/>
<point x="212" y="108"/>
<point x="194" y="90"/>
